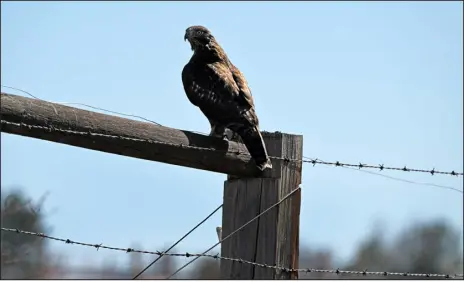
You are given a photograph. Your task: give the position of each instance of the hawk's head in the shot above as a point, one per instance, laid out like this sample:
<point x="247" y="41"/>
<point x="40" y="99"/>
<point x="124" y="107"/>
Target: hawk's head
<point x="199" y="37"/>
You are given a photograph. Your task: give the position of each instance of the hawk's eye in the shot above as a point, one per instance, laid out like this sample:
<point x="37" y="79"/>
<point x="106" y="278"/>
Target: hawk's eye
<point x="199" y="32"/>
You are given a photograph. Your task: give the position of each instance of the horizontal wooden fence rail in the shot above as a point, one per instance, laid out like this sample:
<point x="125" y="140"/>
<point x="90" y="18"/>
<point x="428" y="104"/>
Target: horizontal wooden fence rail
<point x="111" y="134"/>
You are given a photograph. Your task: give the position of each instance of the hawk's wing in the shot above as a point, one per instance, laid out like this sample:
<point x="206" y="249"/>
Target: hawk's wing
<point x="244" y="90"/>
<point x="222" y="94"/>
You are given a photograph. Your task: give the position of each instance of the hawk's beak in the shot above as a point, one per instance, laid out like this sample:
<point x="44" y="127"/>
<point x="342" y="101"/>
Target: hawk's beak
<point x="186" y="36"/>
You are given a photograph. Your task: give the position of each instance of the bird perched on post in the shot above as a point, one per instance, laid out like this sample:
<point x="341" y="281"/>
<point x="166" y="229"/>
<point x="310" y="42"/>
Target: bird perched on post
<point x="220" y="90"/>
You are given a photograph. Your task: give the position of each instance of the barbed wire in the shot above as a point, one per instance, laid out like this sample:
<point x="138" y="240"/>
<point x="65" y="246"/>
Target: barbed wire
<point x="381" y="167"/>
<point x="89" y="133"/>
<point x="217" y="256"/>
<point x="312" y="161"/>
<point x="409" y="181"/>
<point x="402" y="180"/>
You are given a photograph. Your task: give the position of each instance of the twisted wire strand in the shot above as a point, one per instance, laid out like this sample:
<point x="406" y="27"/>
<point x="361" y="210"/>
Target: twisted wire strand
<point x="382" y="167"/>
<point x="302" y="270"/>
<point x="245" y="153"/>
<point x="403" y="180"/>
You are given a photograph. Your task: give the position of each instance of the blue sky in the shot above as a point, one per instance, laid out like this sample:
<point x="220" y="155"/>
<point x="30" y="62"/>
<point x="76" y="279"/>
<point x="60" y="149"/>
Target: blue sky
<point x="372" y="82"/>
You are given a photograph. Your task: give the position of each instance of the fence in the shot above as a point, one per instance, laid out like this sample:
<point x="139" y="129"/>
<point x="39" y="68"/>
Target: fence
<point x="259" y="240"/>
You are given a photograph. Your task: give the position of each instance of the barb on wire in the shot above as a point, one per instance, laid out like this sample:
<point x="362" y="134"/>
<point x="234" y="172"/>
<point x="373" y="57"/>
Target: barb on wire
<point x="380" y="167"/>
<point x="237" y="230"/>
<point x="305" y="270"/>
<point x="178" y="241"/>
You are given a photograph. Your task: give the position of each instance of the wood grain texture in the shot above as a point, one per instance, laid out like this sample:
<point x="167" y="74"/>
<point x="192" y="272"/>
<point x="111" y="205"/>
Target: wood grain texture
<point x="221" y="156"/>
<point x="273" y="238"/>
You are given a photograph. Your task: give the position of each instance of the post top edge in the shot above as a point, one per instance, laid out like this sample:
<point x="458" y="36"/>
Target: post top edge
<point x="279" y="134"/>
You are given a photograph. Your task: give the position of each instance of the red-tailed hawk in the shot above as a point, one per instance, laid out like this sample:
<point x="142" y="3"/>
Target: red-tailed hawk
<point x="220" y="90"/>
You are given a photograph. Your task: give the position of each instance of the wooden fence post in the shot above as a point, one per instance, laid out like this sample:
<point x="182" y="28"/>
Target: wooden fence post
<point x="272" y="239"/>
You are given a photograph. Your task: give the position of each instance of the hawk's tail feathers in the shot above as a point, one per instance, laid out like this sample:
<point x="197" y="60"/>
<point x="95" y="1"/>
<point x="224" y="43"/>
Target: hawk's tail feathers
<point x="254" y="142"/>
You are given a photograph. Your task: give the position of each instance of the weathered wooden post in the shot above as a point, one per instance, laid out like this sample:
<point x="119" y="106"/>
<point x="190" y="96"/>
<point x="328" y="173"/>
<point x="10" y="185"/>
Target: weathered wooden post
<point x="272" y="239"/>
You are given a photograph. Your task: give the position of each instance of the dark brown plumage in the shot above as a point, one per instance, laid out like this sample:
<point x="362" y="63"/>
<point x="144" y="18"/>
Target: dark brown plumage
<point x="220" y="90"/>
